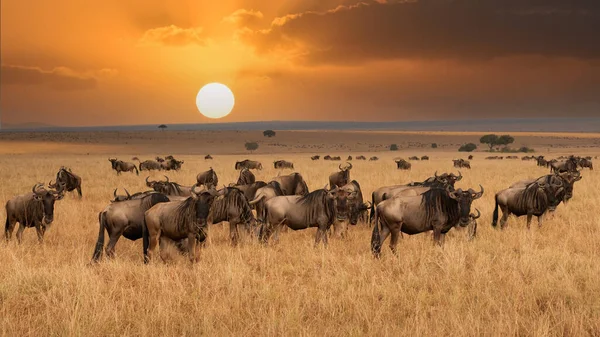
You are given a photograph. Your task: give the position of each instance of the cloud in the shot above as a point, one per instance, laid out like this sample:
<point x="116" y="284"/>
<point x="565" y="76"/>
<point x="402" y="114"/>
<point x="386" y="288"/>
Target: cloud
<point x="172" y="36"/>
<point x="245" y="18"/>
<point x="435" y="29"/>
<point x="59" y="78"/>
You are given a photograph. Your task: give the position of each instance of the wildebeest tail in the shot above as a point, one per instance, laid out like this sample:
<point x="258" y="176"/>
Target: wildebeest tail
<point x="375" y="236"/>
<point x="495" y="216"/>
<point x="145" y="240"/>
<point x="100" y="243"/>
<point x="139" y="162"/>
<point x="373" y="205"/>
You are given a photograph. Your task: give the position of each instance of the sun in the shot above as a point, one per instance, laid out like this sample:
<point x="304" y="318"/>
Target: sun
<point x="215" y="100"/>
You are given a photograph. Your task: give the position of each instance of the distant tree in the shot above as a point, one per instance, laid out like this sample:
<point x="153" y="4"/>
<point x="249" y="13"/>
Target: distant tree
<point x="434" y="145"/>
<point x="162" y="127"/>
<point x="393" y="147"/>
<point x="251" y="146"/>
<point x="269" y="133"/>
<point x="470" y="147"/>
<point x="491" y="140"/>
<point x="505" y="140"/>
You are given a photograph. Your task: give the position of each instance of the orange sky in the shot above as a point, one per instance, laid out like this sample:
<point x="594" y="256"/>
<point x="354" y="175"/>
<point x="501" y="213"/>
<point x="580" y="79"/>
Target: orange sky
<point x="73" y="62"/>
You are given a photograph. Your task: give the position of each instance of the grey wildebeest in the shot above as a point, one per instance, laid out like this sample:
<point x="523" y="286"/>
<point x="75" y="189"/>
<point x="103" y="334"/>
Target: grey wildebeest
<point x="316" y="209"/>
<point x="327" y="157"/>
<point x="413" y="158"/>
<point x="342" y="177"/>
<point x="585" y="163"/>
<point x="246" y="177"/>
<point x="568" y="165"/>
<point x="361" y="157"/>
<point x="208" y="157"/>
<point x="374" y="158"/>
<point x="249" y="190"/>
<point x="207" y="178"/>
<point x="123" y="166"/>
<point x="34" y="209"/>
<point x="461" y="163"/>
<point x="292" y="184"/>
<point x="232" y="206"/>
<point x="316" y="157"/>
<point x="282" y="164"/>
<point x="402" y="164"/>
<point x="349" y="158"/>
<point x="425" y="158"/>
<point x="171" y="164"/>
<point x="249" y="164"/>
<point x="149" y="165"/>
<point x="350" y="207"/>
<point x="178" y="220"/>
<point x="65" y="177"/>
<point x="534" y="199"/>
<point x="123" y="218"/>
<point x="568" y="179"/>
<point x="169" y="188"/>
<point x="264" y="193"/>
<point x="438" y="210"/>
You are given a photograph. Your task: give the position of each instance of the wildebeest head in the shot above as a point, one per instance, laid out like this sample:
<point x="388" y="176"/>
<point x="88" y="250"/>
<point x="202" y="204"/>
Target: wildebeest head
<point x="119" y="198"/>
<point x="453" y="178"/>
<point x="464" y="199"/>
<point x="113" y="162"/>
<point x="203" y="199"/>
<point x="569" y="179"/>
<point x="47" y="198"/>
<point x="152" y="183"/>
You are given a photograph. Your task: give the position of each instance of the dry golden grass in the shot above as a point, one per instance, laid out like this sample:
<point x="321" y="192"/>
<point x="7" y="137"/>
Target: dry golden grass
<point x="542" y="282"/>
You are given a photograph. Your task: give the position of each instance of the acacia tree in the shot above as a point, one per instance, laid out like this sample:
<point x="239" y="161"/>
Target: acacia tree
<point x="251" y="146"/>
<point x="162" y="127"/>
<point x="394" y="147"/>
<point x="269" y="133"/>
<point x="493" y="140"/>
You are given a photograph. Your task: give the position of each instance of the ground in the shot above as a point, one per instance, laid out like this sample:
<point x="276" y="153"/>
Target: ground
<point x="511" y="282"/>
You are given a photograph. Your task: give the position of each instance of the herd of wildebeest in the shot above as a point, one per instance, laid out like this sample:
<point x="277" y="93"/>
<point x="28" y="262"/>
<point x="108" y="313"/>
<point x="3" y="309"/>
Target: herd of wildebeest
<point x="182" y="214"/>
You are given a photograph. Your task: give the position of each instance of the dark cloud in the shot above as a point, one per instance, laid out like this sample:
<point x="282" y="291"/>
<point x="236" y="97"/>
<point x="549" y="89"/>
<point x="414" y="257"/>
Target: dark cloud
<point x="59" y="78"/>
<point x="436" y="29"/>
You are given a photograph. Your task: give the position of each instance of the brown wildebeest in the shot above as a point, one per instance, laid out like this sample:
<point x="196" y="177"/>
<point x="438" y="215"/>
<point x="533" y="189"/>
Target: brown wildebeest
<point x="232" y="206"/>
<point x="178" y="220"/>
<point x="568" y="179"/>
<point x="585" y="163"/>
<point x="169" y="188"/>
<point x="149" y="165"/>
<point x="438" y="210"/>
<point x="470" y="157"/>
<point x="534" y="199"/>
<point x="350" y="206"/>
<point x="122" y="166"/>
<point x="249" y="190"/>
<point x="361" y="157"/>
<point x="402" y="164"/>
<point x="425" y="158"/>
<point x="315" y="157"/>
<point x="349" y="158"/>
<point x="282" y="164"/>
<point x="35" y="209"/>
<point x="336" y="158"/>
<point x="292" y="184"/>
<point x="569" y="165"/>
<point x="413" y="158"/>
<point x="207" y="178"/>
<point x="208" y="157"/>
<point x="374" y="158"/>
<point x="316" y="209"/>
<point x="512" y="157"/>
<point x="327" y="157"/>
<point x="171" y="164"/>
<point x="249" y="164"/>
<point x="124" y="218"/>
<point x="65" y="177"/>
<point x="342" y="177"/>
<point x="270" y="190"/>
<point x="246" y="177"/>
<point x="461" y="163"/>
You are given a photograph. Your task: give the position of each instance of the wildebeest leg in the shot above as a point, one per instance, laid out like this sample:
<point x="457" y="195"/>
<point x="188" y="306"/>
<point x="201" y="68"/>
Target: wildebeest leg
<point x="472" y="230"/>
<point x="233" y="232"/>
<point x="8" y="230"/>
<point x="540" y="220"/>
<point x="505" y="214"/>
<point x="395" y="231"/>
<point x="529" y="216"/>
<point x="437" y="234"/>
<point x="112" y="242"/>
<point x="79" y="191"/>
<point x="20" y="232"/>
<point x="192" y="253"/>
<point x="40" y="232"/>
<point x="153" y="237"/>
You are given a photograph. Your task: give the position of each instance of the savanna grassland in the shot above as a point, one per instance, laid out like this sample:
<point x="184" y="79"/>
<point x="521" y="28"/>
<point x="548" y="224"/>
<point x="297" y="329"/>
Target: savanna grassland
<point x="542" y="282"/>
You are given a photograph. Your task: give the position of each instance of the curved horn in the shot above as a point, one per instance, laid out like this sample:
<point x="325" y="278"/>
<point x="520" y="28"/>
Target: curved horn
<point x="127" y="192"/>
<point x="147" y="182"/>
<point x="473" y="215"/>
<point x="435" y="174"/>
<point x="349" y="166"/>
<point x="478" y="194"/>
<point x="115" y="193"/>
<point x="35" y="187"/>
<point x="460" y="176"/>
<point x="167" y="178"/>
<point x="193" y="190"/>
<point x="340" y="167"/>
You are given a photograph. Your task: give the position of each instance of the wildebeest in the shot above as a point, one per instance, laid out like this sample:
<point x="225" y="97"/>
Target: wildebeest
<point x="350" y="207"/>
<point x="178" y="220"/>
<point x="159" y="159"/>
<point x="207" y="178"/>
<point x="123" y="166"/>
<point x="568" y="165"/>
<point x="494" y="157"/>
<point x="249" y="164"/>
<point x="336" y="158"/>
<point x="512" y="157"/>
<point x="249" y="190"/>
<point x="149" y="165"/>
<point x="425" y="158"/>
<point x="361" y="158"/>
<point x="585" y="163"/>
<point x="169" y="188"/>
<point x="65" y="177"/>
<point x="316" y="209"/>
<point x="127" y="196"/>
<point x="232" y="206"/>
<point x="437" y="209"/>
<point x="349" y="158"/>
<point x="264" y="193"/>
<point x="470" y="157"/>
<point x="374" y="158"/>
<point x="342" y="177"/>
<point x="413" y="158"/>
<point x="568" y="179"/>
<point x="207" y="157"/>
<point x="402" y="164"/>
<point x="246" y="177"/>
<point x="327" y="157"/>
<point x="461" y="163"/>
<point x="534" y="199"/>
<point x="34" y="209"/>
<point x="123" y="218"/>
<point x="171" y="164"/>
<point x="292" y="184"/>
<point x="528" y="158"/>
<point x="541" y="161"/>
<point x="315" y="157"/>
<point x="281" y="164"/>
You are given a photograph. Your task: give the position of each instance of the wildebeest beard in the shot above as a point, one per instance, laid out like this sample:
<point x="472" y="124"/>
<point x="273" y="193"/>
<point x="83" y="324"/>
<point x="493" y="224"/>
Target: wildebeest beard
<point x="437" y="201"/>
<point x="317" y="203"/>
<point x="233" y="198"/>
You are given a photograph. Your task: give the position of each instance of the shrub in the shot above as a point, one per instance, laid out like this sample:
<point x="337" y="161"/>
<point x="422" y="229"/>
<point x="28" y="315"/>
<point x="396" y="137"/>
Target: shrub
<point x="469" y="147"/>
<point x="393" y="147"/>
<point x="269" y="133"/>
<point x="434" y="145"/>
<point x="251" y="146"/>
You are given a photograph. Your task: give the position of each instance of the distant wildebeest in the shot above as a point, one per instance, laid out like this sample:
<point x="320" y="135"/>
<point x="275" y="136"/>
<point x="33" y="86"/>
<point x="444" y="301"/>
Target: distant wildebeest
<point x="270" y="190"/>
<point x="567" y="178"/>
<point x="349" y="158"/>
<point x="425" y="158"/>
<point x="159" y="159"/>
<point x="470" y="157"/>
<point x="402" y="164"/>
<point x="350" y="207"/>
<point x="342" y="177"/>
<point x="208" y="157"/>
<point x="149" y="165"/>
<point x="361" y="158"/>
<point x="249" y="164"/>
<point x="232" y="206"/>
<point x="127" y="196"/>
<point x="374" y="158"/>
<point x="534" y="199"/>
<point x="541" y="161"/>
<point x="282" y="164"/>
<point x="169" y="188"/>
<point x="461" y="163"/>
<point x="123" y="166"/>
<point x="249" y="190"/>
<point x="65" y="177"/>
<point x="494" y="157"/>
<point x="34" y="209"/>
<point x="316" y="209"/>
<point x="171" y="164"/>
<point x="292" y="184"/>
<point x="528" y="158"/>
<point x="178" y="220"/>
<point x="413" y="158"/>
<point x="568" y="165"/>
<point x="585" y="163"/>
<point x="246" y="177"/>
<point x="327" y="157"/>
<point x="438" y="210"/>
<point x="207" y="178"/>
<point x="316" y="157"/>
<point x="512" y="157"/>
<point x="336" y="158"/>
<point x="123" y="218"/>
